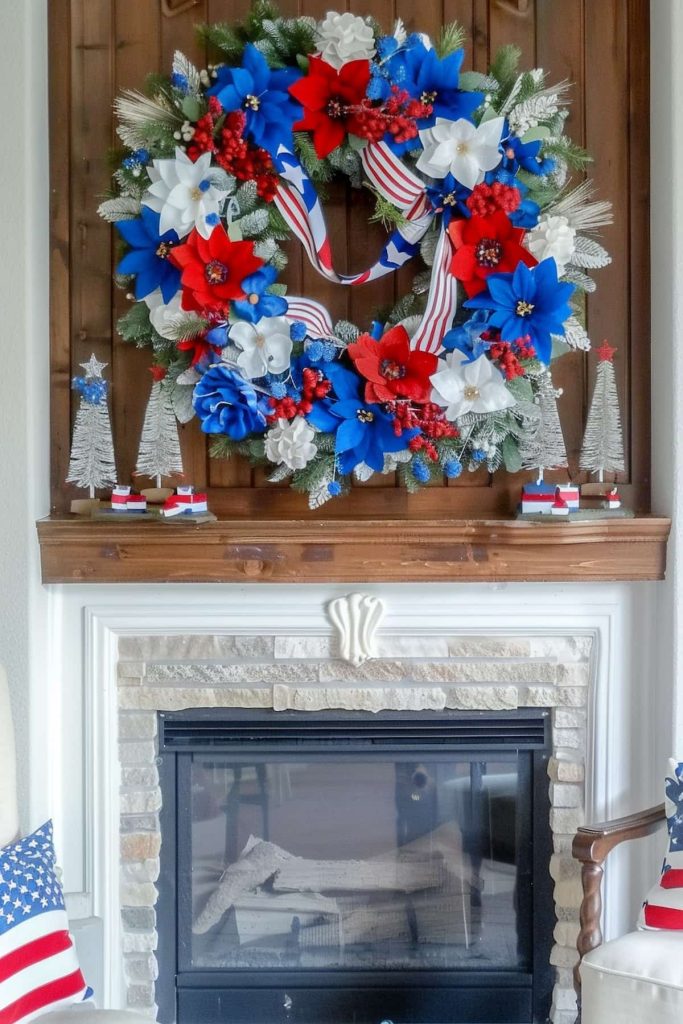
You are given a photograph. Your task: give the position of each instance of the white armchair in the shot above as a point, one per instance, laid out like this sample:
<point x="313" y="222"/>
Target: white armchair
<point x="635" y="979"/>
<point x="9" y="830"/>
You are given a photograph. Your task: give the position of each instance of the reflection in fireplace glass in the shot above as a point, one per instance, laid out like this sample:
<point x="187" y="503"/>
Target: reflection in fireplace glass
<point x="377" y="863"/>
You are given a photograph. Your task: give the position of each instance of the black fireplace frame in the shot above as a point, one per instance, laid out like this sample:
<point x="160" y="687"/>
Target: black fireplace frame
<point x="346" y="996"/>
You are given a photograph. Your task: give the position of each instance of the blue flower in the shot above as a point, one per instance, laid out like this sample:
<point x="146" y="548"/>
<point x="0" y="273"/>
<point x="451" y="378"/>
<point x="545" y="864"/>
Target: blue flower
<point x="466" y="338"/>
<point x="93" y="390"/>
<point x="258" y="302"/>
<point x="518" y="154"/>
<point x="262" y="95"/>
<point x="529" y="302"/>
<point x="526" y="215"/>
<point x="448" y="198"/>
<point x="363" y="432"/>
<point x="225" y="403"/>
<point x="148" y="259"/>
<point x="434" y="80"/>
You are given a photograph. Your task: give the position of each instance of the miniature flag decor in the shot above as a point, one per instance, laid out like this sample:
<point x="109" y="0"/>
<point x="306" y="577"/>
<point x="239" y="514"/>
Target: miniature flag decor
<point x="663" y="907"/>
<point x="39" y="969"/>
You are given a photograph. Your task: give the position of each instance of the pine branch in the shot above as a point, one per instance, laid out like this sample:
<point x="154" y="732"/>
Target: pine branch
<point x="504" y="67"/>
<point x="452" y="38"/>
<point x="318" y="170"/>
<point x="385" y="213"/>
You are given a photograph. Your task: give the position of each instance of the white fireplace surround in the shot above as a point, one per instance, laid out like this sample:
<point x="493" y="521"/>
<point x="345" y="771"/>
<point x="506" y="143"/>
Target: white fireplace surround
<point x="83" y="774"/>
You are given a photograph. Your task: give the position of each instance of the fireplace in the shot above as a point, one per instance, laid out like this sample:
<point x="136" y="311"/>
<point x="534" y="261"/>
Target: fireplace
<point x="339" y="867"/>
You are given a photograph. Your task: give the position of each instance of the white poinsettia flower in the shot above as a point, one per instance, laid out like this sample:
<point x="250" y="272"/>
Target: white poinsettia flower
<point x="182" y="194"/>
<point x="461" y="149"/>
<point x="341" y="38"/>
<point x="161" y="313"/>
<point x="291" y="443"/>
<point x="462" y="387"/>
<point x="264" y="347"/>
<point x="553" y="237"/>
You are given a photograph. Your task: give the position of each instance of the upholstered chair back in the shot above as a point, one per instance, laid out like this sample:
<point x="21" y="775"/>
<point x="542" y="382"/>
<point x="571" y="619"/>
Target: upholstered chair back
<point x="9" y="812"/>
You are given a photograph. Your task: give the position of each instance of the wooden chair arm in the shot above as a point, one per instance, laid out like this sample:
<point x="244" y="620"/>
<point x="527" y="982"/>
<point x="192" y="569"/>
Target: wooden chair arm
<point x="592" y="844"/>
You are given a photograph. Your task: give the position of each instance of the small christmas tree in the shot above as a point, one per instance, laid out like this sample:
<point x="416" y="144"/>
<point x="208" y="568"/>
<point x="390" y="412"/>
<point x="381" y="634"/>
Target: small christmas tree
<point x="543" y="447"/>
<point x="159" y="452"/>
<point x="603" y="446"/>
<point x="92" y="447"/>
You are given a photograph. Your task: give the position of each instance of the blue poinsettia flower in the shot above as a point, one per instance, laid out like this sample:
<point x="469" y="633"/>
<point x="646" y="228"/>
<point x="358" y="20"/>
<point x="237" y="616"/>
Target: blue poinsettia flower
<point x="518" y="154"/>
<point x="148" y="259"/>
<point x="433" y="79"/>
<point x="262" y="95"/>
<point x="225" y="403"/>
<point x="467" y="337"/>
<point x="526" y="215"/>
<point x="448" y="198"/>
<point x="529" y="302"/>
<point x="258" y="302"/>
<point x="363" y="431"/>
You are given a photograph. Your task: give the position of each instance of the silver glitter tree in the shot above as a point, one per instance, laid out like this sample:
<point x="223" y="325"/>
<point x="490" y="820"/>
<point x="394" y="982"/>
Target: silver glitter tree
<point x="92" y="447"/>
<point x="543" y="447"/>
<point x="603" y="444"/>
<point x="159" y="452"/>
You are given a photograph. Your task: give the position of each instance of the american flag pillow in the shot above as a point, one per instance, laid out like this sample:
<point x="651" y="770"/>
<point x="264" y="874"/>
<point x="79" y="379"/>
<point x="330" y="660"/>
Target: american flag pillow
<point x="663" y="907"/>
<point x="39" y="969"/>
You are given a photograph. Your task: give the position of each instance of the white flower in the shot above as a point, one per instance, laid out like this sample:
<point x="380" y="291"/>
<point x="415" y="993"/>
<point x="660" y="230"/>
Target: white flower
<point x="182" y="193"/>
<point x="265" y="347"/>
<point x="161" y="313"/>
<point x="553" y="237"/>
<point x="461" y="148"/>
<point x="344" y="37"/>
<point x="291" y="444"/>
<point x="463" y="387"/>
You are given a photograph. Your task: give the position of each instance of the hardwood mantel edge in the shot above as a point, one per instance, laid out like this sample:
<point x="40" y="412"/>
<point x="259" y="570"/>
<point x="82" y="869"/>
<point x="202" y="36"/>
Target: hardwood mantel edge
<point x="418" y="550"/>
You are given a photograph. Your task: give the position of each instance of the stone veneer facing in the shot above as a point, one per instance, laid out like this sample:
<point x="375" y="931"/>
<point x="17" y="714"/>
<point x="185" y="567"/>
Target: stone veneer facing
<point x="304" y="673"/>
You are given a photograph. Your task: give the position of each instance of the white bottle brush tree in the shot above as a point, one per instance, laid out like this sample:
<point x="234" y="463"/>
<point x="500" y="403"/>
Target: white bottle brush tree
<point x="603" y="445"/>
<point x="543" y="446"/>
<point x="159" y="451"/>
<point x="92" y="447"/>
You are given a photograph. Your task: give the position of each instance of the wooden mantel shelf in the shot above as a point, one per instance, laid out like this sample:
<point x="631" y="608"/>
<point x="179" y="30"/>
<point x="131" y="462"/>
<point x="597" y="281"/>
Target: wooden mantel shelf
<point x="312" y="551"/>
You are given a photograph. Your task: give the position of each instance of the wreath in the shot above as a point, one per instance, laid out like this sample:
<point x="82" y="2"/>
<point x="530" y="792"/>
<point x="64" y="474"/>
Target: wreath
<point x="471" y="176"/>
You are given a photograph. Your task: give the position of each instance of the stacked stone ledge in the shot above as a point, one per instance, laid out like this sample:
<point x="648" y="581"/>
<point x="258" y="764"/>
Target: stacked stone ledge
<point x="159" y="673"/>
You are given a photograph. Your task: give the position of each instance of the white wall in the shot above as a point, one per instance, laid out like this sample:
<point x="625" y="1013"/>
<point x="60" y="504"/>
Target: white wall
<point x="24" y="395"/>
<point x="31" y="621"/>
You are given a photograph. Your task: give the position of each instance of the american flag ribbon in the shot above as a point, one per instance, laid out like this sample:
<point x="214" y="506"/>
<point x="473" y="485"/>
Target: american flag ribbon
<point x="298" y="202"/>
<point x="38" y="963"/>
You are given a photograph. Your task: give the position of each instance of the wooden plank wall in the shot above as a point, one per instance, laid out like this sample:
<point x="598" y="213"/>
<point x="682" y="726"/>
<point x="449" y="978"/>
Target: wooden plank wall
<point x="98" y="47"/>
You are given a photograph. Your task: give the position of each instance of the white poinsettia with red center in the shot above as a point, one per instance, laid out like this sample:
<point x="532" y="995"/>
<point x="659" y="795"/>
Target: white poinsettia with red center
<point x="183" y="195"/>
<point x="464" y="386"/>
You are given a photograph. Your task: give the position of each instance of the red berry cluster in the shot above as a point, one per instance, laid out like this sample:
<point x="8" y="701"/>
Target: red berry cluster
<point x="203" y="138"/>
<point x="507" y="356"/>
<point x="313" y="386"/>
<point x="244" y="160"/>
<point x="396" y="116"/>
<point x="429" y="418"/>
<point x="486" y="199"/>
<point x="158" y="372"/>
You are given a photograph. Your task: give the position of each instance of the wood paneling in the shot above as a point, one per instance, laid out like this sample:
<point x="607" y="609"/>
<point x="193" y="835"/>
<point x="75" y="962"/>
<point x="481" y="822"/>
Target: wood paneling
<point x="100" y="46"/>
<point x="412" y="550"/>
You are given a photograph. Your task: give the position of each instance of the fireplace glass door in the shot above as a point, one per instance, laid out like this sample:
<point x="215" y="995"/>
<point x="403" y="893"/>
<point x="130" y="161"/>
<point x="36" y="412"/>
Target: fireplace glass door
<point x="329" y="859"/>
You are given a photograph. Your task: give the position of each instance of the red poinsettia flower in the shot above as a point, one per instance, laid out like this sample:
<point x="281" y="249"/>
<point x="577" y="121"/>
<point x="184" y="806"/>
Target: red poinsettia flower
<point x="392" y="370"/>
<point x="486" y="245"/>
<point x="329" y="98"/>
<point x="213" y="269"/>
<point x="199" y="348"/>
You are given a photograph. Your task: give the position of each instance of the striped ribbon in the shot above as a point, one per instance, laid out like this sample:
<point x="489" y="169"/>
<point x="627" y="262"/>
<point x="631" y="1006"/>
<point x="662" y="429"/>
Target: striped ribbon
<point x="298" y="202"/>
